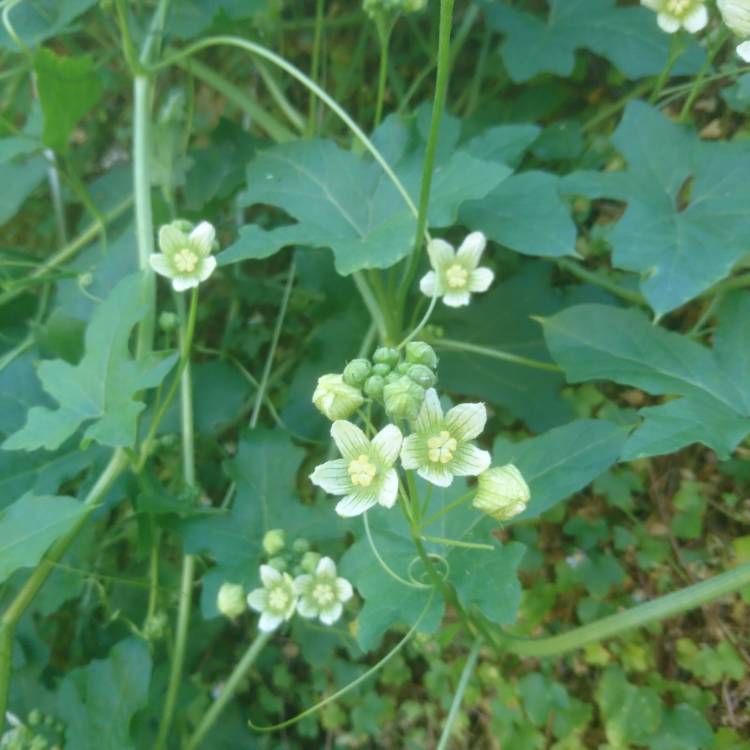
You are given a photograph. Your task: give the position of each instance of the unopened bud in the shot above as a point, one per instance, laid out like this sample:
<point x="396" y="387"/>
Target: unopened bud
<point x="422" y="375"/>
<point x="374" y="386"/>
<point x="230" y="600"/>
<point x="279" y="563"/>
<point x="382" y="369"/>
<point x="155" y="627"/>
<point x="356" y="372"/>
<point x="168" y="321"/>
<point x="310" y="561"/>
<point x="300" y="546"/>
<point x="273" y="542"/>
<point x="335" y="399"/>
<point x="386" y="355"/>
<point x="403" y="398"/>
<point x="420" y="353"/>
<point x="502" y="492"/>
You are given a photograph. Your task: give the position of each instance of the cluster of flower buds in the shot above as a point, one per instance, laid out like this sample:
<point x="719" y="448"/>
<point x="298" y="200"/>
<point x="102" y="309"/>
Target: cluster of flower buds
<point x="397" y="383"/>
<point x="316" y="591"/>
<point x="40" y="732"/>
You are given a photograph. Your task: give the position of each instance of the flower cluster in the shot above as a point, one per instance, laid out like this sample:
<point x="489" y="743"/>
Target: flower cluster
<point x="399" y="384"/>
<point x="316" y="591"/>
<point x="185" y="256"/>
<point x="456" y="275"/>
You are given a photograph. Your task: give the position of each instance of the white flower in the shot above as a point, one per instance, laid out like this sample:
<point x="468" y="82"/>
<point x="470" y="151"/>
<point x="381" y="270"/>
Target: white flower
<point x="455" y="275"/>
<point x="743" y="50"/>
<point x="736" y="15"/>
<point x="365" y="475"/>
<point x="672" y="15"/>
<point x="440" y="447"/>
<point x="335" y="399"/>
<point x="322" y="594"/>
<point x="276" y="601"/>
<point x="185" y="258"/>
<point x="502" y="492"/>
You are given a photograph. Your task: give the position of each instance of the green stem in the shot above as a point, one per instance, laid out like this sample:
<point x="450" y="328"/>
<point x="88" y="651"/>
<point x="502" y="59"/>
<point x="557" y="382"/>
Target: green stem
<point x="384" y="29"/>
<point x="438" y="105"/>
<point x="448" y="542"/>
<point x="463" y="346"/>
<point x="315" y="66"/>
<point x="272" y="350"/>
<point x="614" y="625"/>
<point x="36" y="580"/>
<point x="228" y="690"/>
<point x="463" y="681"/>
<point x="597" y="279"/>
<point x="447" y="509"/>
<point x="371" y="304"/>
<point x="722" y="35"/>
<point x="188" y="561"/>
<point x="674" y="52"/>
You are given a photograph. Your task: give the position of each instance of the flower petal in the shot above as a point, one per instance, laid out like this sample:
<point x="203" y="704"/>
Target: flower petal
<point x="743" y="50"/>
<point x="441" y="253"/>
<point x="208" y="266"/>
<point x="356" y="504"/>
<point x="349" y="439"/>
<point x="307" y="607"/>
<point x="388" y="489"/>
<point x="387" y="444"/>
<point x="480" y="279"/>
<point x="171" y="239"/>
<point x="466" y="421"/>
<point x="667" y="23"/>
<point x="456" y="299"/>
<point x="696" y="20"/>
<point x="270" y="576"/>
<point x="471" y="250"/>
<point x="344" y="590"/>
<point x="202" y="238"/>
<point x="413" y="452"/>
<point x="436" y="474"/>
<point x="268" y="622"/>
<point x="469" y="461"/>
<point x="326" y="567"/>
<point x="160" y="263"/>
<point x="183" y="283"/>
<point x="428" y="284"/>
<point x="430" y="415"/>
<point x="331" y="614"/>
<point x="257" y="599"/>
<point x="333" y="477"/>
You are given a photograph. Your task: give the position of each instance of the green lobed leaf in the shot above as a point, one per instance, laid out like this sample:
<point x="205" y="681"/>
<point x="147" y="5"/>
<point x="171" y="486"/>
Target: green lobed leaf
<point x="102" y="388"/>
<point x="29" y="526"/>
<point x="346" y="202"/>
<point x="562" y="461"/>
<point x="98" y="701"/>
<point x="628" y="37"/>
<point x="68" y="88"/>
<point x="596" y="342"/>
<point x="36" y="20"/>
<point x="24" y="177"/>
<point x="686" y="220"/>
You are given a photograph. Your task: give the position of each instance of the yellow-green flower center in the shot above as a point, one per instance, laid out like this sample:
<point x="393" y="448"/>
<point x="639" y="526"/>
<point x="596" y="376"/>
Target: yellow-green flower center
<point x="678" y="7"/>
<point x="440" y="449"/>
<point x="456" y="276"/>
<point x="185" y="260"/>
<point x="323" y="594"/>
<point x="278" y="599"/>
<point x="362" y="471"/>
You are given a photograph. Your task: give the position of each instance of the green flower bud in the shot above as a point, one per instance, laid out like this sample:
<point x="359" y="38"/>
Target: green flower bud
<point x="278" y="563"/>
<point x="300" y="546"/>
<point x="310" y="562"/>
<point x="168" y="321"/>
<point x="403" y="398"/>
<point x="502" y="492"/>
<point x="402" y="368"/>
<point x="392" y="377"/>
<point x="86" y="279"/>
<point x="374" y="386"/>
<point x="386" y="355"/>
<point x="356" y="372"/>
<point x="230" y="600"/>
<point x="35" y="717"/>
<point x="381" y="369"/>
<point x="419" y="353"/>
<point x="156" y="627"/>
<point x="335" y="399"/>
<point x="422" y="375"/>
<point x="273" y="542"/>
